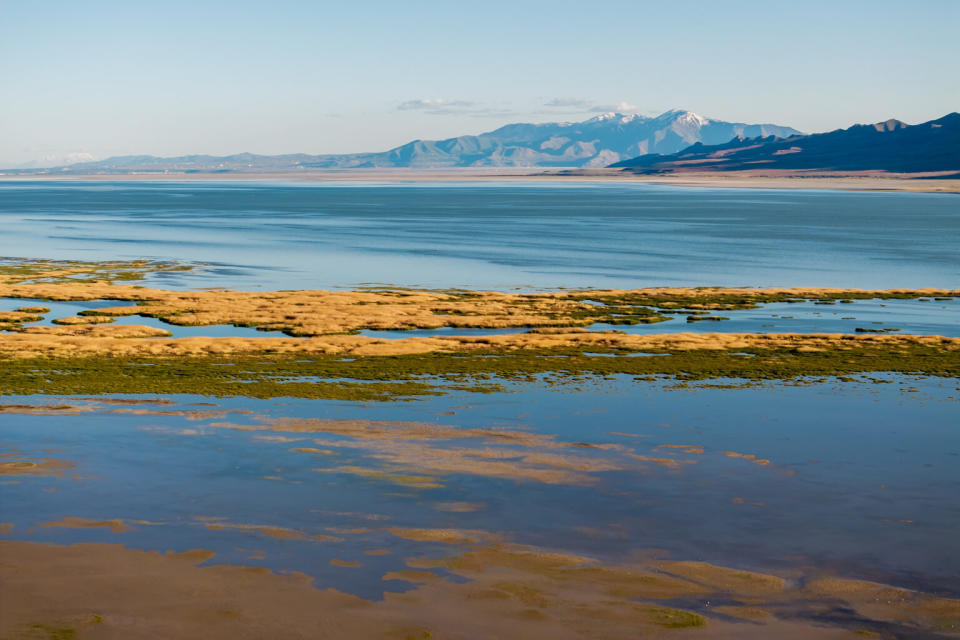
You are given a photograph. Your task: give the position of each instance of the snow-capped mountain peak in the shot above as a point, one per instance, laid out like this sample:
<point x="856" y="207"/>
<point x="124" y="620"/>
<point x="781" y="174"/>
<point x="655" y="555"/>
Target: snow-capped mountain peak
<point x="615" y="116"/>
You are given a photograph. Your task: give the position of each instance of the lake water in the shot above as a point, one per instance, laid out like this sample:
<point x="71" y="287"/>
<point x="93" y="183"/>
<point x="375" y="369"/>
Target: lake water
<point x="857" y="479"/>
<point x="490" y="235"/>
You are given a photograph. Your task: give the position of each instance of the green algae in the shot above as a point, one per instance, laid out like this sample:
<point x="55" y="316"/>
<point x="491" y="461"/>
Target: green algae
<point x="411" y="376"/>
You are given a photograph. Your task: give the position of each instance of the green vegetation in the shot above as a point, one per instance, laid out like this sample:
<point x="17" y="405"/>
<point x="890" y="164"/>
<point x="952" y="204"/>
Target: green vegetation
<point x="23" y="271"/>
<point x="409" y="376"/>
<point x="698" y="318"/>
<point x="714" y="298"/>
<point x="674" y="618"/>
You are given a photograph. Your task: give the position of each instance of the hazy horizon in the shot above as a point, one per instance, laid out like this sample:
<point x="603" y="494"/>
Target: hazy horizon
<point x="108" y="78"/>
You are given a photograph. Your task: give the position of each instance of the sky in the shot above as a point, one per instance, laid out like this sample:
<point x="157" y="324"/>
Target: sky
<point x="105" y="77"/>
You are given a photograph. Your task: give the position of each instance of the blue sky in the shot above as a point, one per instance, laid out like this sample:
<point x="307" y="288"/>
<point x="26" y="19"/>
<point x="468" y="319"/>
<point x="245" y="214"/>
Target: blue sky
<point x="108" y="77"/>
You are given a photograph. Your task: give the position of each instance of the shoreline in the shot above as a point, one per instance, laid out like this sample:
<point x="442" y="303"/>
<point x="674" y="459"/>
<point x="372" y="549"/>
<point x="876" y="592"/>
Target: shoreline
<point x="873" y="182"/>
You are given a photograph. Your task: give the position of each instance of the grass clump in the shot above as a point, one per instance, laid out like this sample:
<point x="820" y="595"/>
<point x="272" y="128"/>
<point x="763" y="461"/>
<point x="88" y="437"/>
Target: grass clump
<point x="674" y="618"/>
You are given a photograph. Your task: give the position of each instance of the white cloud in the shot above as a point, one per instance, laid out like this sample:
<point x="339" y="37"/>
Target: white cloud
<point x="620" y="107"/>
<point x="435" y="105"/>
<point x="443" y="107"/>
<point x="566" y="103"/>
<point x="57" y="160"/>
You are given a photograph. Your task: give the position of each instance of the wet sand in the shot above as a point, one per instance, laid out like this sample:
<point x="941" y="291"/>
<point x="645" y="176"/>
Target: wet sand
<point x="108" y="591"/>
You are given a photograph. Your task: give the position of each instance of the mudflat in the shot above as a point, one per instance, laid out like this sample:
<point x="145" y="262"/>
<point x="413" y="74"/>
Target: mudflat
<point x="511" y="591"/>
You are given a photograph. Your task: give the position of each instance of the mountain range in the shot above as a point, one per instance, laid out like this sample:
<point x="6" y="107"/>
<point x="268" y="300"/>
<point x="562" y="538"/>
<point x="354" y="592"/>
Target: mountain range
<point x="891" y="146"/>
<point x="596" y="142"/>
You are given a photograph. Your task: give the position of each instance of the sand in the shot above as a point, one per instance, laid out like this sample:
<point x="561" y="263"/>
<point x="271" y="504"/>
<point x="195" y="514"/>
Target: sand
<point x="107" y="591"/>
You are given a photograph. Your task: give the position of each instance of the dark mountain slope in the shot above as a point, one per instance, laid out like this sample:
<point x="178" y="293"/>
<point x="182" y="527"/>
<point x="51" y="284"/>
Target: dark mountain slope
<point x="886" y="146"/>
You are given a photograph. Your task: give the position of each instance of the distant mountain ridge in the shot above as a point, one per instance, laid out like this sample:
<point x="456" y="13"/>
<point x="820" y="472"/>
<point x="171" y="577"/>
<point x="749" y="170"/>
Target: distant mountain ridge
<point x="596" y="142"/>
<point x="891" y="146"/>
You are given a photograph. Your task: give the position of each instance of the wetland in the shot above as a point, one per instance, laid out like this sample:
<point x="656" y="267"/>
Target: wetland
<point x="197" y="397"/>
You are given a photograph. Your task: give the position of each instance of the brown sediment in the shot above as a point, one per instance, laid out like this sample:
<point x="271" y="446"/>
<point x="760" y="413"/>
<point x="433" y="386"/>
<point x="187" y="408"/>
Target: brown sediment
<point x="68" y="522"/>
<point x="131" y="401"/>
<point x="763" y="462"/>
<point x="413" y="454"/>
<point x="509" y="592"/>
<point x="683" y="448"/>
<point x="670" y="463"/>
<point x="411" y="575"/>
<point x="393" y="476"/>
<point x="446" y="536"/>
<point x="745" y="612"/>
<point x="459" y="507"/>
<point x="393" y="430"/>
<point x="189" y="414"/>
<point x="350" y="531"/>
<point x="38" y="467"/>
<point x="46" y="409"/>
<point x="405" y="458"/>
<point x="723" y="579"/>
<point x="276" y="438"/>
<point x="885" y="602"/>
<point x="6" y="528"/>
<point x="337" y="562"/>
<point x="95" y="404"/>
<point x="217" y="524"/>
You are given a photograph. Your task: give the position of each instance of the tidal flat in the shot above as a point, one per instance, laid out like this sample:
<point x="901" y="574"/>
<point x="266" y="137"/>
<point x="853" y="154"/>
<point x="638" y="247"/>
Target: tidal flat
<point x="529" y="512"/>
<point x="198" y="447"/>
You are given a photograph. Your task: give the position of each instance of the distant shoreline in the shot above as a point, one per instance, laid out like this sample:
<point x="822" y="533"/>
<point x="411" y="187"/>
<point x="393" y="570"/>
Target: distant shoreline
<point x="915" y="183"/>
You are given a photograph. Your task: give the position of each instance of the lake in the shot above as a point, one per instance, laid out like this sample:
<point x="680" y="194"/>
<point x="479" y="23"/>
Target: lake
<point x="490" y="235"/>
<point x="854" y="477"/>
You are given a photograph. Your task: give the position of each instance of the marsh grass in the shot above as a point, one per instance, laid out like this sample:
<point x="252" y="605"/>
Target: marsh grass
<point x="410" y="376"/>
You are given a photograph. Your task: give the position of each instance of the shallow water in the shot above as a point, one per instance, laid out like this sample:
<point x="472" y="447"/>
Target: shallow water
<point x="860" y="480"/>
<point x="857" y="479"/>
<point x="921" y="317"/>
<point x="490" y="235"/>
<point x="72" y="308"/>
<point x="940" y="317"/>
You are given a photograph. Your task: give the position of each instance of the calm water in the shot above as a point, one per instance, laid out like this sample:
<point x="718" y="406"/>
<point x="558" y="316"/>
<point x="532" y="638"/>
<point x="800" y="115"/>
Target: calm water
<point x="491" y="235"/>
<point x="861" y="479"/>
<point x="922" y="317"/>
